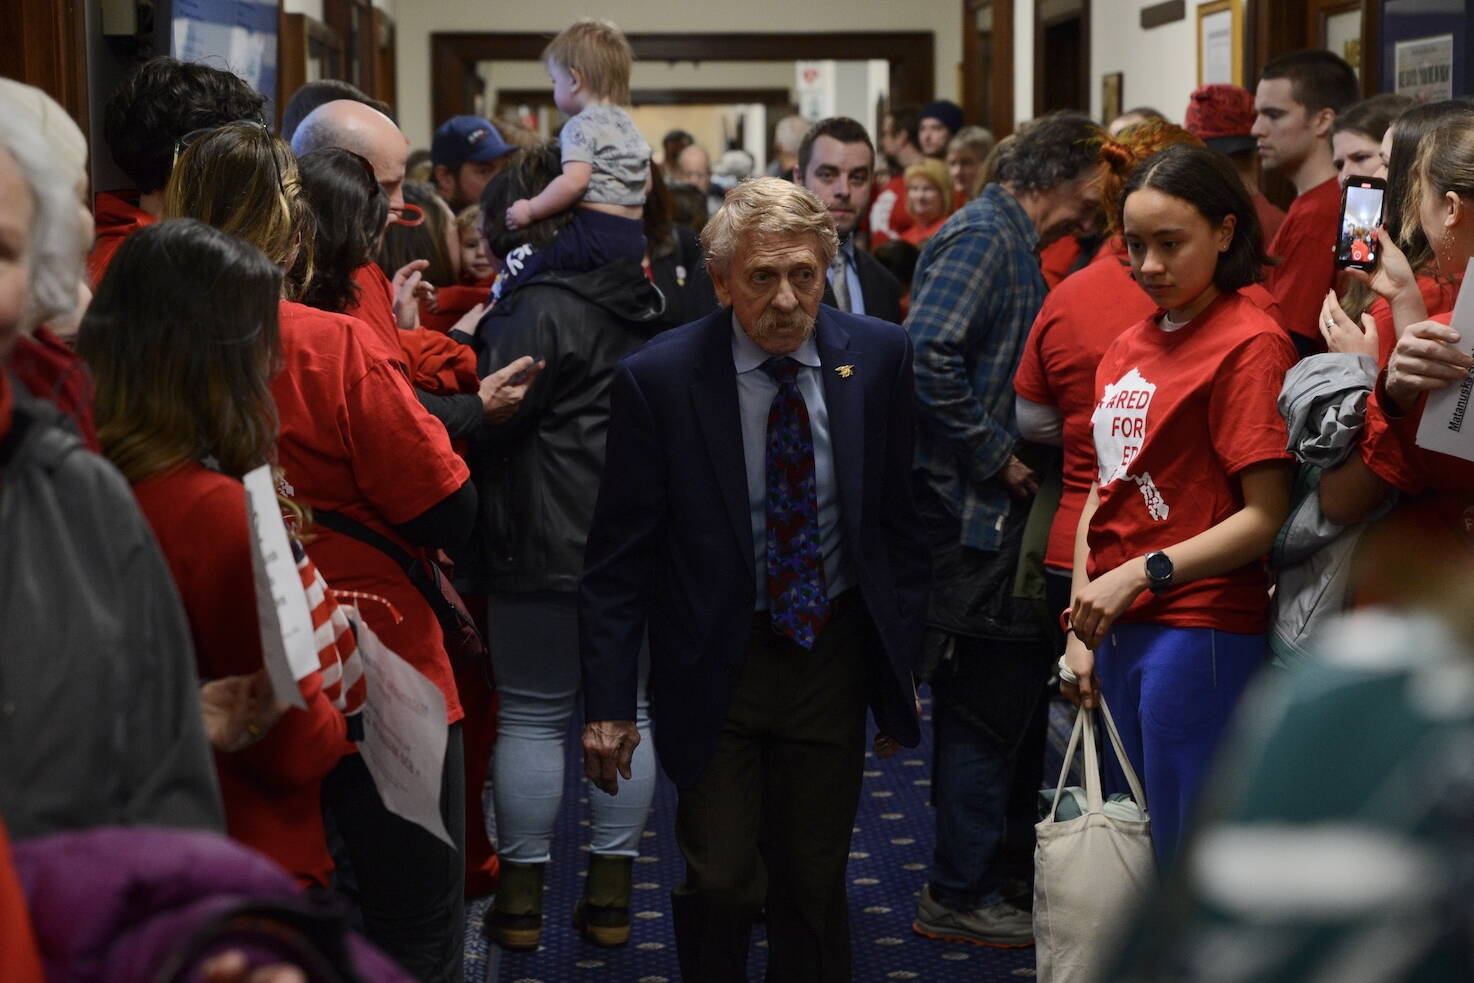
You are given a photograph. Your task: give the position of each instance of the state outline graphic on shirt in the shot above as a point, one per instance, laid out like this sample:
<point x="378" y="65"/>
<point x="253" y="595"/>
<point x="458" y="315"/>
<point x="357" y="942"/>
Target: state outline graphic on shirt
<point x="1119" y="425"/>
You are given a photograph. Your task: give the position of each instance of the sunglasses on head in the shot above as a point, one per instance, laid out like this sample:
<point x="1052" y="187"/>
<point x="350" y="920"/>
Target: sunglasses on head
<point x="195" y="136"/>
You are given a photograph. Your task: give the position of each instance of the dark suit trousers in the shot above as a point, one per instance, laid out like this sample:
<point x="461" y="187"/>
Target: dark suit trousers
<point x="769" y="821"/>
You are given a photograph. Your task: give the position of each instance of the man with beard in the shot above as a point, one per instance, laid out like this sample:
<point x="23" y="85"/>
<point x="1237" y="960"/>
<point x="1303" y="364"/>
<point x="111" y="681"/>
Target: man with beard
<point x="976" y="292"/>
<point x="756" y="518"/>
<point x="836" y="161"/>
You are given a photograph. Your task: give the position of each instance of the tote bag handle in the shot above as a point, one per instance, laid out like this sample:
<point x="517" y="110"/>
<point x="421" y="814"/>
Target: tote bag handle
<point x="1085" y="725"/>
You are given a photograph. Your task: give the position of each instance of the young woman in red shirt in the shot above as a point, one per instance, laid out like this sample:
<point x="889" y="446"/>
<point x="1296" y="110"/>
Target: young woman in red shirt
<point x="1170" y="586"/>
<point x="1429" y="538"/>
<point x="355" y="441"/>
<point x="182" y="337"/>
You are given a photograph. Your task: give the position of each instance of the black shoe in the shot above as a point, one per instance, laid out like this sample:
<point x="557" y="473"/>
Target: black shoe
<point x="603" y="926"/>
<point x="519" y="933"/>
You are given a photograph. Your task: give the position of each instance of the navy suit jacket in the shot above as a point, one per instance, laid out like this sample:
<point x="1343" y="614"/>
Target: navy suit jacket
<point x="671" y="550"/>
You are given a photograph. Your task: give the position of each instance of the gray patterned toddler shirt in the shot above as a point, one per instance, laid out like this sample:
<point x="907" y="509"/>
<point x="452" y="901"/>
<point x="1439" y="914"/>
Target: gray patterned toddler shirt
<point x="605" y="137"/>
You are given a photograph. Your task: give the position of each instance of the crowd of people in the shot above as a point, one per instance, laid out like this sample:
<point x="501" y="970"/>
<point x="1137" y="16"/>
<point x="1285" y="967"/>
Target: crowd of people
<point x="719" y="459"/>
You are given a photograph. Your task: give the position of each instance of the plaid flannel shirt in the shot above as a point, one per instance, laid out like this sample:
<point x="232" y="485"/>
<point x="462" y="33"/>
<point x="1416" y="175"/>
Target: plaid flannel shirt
<point x="976" y="292"/>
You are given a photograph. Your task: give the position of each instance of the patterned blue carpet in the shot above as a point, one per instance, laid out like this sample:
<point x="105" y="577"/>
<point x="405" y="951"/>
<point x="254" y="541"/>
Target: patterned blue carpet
<point x="890" y="854"/>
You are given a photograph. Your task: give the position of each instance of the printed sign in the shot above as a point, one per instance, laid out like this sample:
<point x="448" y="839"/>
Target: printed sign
<point x="1424" y="68"/>
<point x="1447" y="426"/>
<point x="288" y="647"/>
<point x="403" y="733"/>
<point x="1120" y="431"/>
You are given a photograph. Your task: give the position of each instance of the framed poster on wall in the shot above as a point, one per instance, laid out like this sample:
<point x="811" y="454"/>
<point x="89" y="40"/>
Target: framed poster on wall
<point x="1221" y="43"/>
<point x="1110" y="97"/>
<point x="1425" y="48"/>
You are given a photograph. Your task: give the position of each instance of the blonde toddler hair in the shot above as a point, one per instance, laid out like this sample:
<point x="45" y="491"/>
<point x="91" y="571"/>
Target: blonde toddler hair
<point x="601" y="55"/>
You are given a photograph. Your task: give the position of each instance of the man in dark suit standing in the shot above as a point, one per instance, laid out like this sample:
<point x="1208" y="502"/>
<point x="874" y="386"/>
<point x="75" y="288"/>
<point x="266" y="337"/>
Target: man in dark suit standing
<point x="756" y="518"/>
<point x="836" y="161"/>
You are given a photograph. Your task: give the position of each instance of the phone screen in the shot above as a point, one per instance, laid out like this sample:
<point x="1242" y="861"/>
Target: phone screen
<point x="1360" y="216"/>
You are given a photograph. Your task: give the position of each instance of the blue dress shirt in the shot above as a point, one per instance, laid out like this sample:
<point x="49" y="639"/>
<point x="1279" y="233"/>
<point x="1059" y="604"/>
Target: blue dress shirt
<point x="755" y="392"/>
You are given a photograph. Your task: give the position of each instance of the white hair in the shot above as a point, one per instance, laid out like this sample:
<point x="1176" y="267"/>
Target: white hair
<point x="55" y="244"/>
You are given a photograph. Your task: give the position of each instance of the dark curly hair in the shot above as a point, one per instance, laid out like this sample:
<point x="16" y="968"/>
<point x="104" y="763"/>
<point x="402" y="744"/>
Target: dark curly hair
<point x="1208" y="181"/>
<point x="528" y="173"/>
<point x="339" y="186"/>
<point x="1049" y="151"/>
<point x="162" y="101"/>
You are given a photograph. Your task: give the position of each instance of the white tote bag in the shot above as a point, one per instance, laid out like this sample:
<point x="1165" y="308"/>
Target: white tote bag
<point x="1090" y="872"/>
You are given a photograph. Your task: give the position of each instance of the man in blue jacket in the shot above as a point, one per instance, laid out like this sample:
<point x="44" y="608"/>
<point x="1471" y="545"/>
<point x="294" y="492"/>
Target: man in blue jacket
<point x="756" y="518"/>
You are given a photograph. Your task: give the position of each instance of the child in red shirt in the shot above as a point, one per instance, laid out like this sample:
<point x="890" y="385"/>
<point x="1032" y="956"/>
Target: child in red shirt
<point x="477" y="271"/>
<point x="1170" y="587"/>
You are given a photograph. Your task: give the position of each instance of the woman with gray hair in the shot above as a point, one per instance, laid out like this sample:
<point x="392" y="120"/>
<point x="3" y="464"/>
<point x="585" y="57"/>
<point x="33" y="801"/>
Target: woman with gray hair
<point x="51" y="154"/>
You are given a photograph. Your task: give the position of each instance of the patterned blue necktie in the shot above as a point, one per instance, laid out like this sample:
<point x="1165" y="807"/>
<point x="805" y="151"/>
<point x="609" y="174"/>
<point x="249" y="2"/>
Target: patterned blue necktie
<point x="798" y="598"/>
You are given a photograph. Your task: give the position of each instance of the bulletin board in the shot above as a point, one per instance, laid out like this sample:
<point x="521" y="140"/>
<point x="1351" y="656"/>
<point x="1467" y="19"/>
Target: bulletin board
<point x="237" y="35"/>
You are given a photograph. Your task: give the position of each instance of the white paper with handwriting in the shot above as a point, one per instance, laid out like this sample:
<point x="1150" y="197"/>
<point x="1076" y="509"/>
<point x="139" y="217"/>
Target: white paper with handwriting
<point x="1448" y="423"/>
<point x="288" y="647"/>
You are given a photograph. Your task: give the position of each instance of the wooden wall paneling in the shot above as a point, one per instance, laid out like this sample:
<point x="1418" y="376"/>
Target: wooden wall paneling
<point x="1000" y="85"/>
<point x="46" y="46"/>
<point x="386" y="80"/>
<point x="291" y="59"/>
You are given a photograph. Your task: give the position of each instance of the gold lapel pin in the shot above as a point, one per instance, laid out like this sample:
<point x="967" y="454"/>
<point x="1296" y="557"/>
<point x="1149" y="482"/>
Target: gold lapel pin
<point x="845" y="371"/>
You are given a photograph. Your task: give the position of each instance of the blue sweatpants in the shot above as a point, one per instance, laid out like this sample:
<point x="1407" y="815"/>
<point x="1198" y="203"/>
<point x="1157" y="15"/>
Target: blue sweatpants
<point x="1172" y="691"/>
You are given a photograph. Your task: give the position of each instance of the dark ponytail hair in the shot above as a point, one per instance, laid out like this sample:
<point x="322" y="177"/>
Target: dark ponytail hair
<point x="340" y="188"/>
<point x="1208" y="181"/>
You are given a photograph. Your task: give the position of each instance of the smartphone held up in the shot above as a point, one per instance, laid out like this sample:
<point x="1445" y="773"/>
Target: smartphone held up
<point x="1361" y="216"/>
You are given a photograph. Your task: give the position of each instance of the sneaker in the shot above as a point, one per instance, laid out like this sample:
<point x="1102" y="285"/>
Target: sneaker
<point x="1000" y="924"/>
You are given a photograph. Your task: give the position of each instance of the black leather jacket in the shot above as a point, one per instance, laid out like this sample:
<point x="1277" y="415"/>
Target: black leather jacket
<point x="538" y="473"/>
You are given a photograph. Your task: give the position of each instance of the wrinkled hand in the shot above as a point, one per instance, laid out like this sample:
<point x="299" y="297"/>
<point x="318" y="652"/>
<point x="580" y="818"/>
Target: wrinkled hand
<point x="1423" y="360"/>
<point x="409" y="287"/>
<point x="1393" y="276"/>
<point x="1104" y="599"/>
<point x="1083" y="692"/>
<point x="1343" y="334"/>
<point x="1018" y="479"/>
<point x="519" y="214"/>
<point x="502" y="391"/>
<point x="239" y="710"/>
<point x="608" y="748"/>
<point x="233" y="966"/>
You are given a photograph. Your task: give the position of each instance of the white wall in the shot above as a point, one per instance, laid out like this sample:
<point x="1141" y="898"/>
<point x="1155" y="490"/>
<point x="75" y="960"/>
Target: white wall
<point x="1159" y="66"/>
<point x="1023" y="61"/>
<point x="419" y="19"/>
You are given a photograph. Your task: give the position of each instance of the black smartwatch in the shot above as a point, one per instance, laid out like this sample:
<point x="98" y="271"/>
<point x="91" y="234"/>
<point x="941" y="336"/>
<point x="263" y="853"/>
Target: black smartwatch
<point x="1159" y="571"/>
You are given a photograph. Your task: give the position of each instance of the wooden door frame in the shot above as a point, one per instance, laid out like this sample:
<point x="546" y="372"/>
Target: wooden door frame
<point x="998" y="113"/>
<point x="912" y="56"/>
<point x="1040" y="61"/>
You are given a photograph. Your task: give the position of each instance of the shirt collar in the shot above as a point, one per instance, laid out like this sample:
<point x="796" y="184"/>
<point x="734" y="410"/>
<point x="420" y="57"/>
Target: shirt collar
<point x="747" y="355"/>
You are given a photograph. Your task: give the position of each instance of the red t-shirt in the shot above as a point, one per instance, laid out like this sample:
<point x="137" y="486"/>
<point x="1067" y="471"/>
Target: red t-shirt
<point x="355" y="440"/>
<point x="20" y="958"/>
<point x="1307" y="263"/>
<point x="51" y="371"/>
<point x="375" y="307"/>
<point x="1079" y="320"/>
<point x="1271" y="216"/>
<point x="271" y="789"/>
<point x="1439" y="294"/>
<point x="888" y="215"/>
<point x="117" y="216"/>
<point x="1179" y="414"/>
<point x="451" y="304"/>
<point x="1057" y="259"/>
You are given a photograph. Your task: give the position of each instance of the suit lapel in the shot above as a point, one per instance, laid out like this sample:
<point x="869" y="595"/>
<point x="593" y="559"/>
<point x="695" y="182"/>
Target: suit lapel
<point x="842" y="370"/>
<point x="714" y="400"/>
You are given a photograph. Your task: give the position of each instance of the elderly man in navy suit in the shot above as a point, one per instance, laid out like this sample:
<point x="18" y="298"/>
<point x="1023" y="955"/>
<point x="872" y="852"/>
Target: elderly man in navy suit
<point x="756" y="519"/>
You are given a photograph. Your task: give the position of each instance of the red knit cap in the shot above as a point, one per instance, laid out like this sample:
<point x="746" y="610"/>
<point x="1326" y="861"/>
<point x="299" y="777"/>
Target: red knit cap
<point x="1218" y="111"/>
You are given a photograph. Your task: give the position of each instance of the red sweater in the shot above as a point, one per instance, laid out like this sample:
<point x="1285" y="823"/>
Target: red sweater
<point x="117" y="216"/>
<point x="271" y="789"/>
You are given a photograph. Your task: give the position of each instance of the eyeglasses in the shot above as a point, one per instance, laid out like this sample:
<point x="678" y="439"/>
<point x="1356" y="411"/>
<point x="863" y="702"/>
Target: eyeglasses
<point x="194" y="136"/>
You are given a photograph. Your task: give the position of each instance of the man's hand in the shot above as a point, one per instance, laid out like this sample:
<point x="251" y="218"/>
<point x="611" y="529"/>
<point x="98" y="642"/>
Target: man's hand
<point x="239" y="710"/>
<point x="502" y="391"/>
<point x="519" y="214"/>
<point x="1018" y="479"/>
<point x="1425" y="359"/>
<point x="608" y="748"/>
<point x="409" y="288"/>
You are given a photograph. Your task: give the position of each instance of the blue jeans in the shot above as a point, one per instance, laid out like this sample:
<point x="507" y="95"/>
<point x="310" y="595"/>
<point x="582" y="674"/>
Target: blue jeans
<point x="1172" y="692"/>
<point x="534" y="652"/>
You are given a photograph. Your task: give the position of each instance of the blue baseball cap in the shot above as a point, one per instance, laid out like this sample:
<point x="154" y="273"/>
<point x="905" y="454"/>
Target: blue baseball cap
<point x="467" y="138"/>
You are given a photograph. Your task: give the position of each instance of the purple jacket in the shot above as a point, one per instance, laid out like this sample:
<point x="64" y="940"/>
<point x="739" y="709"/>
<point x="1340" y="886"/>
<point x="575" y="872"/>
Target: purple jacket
<point x="141" y="904"/>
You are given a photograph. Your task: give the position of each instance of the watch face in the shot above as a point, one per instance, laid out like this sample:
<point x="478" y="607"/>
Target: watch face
<point x="1158" y="566"/>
